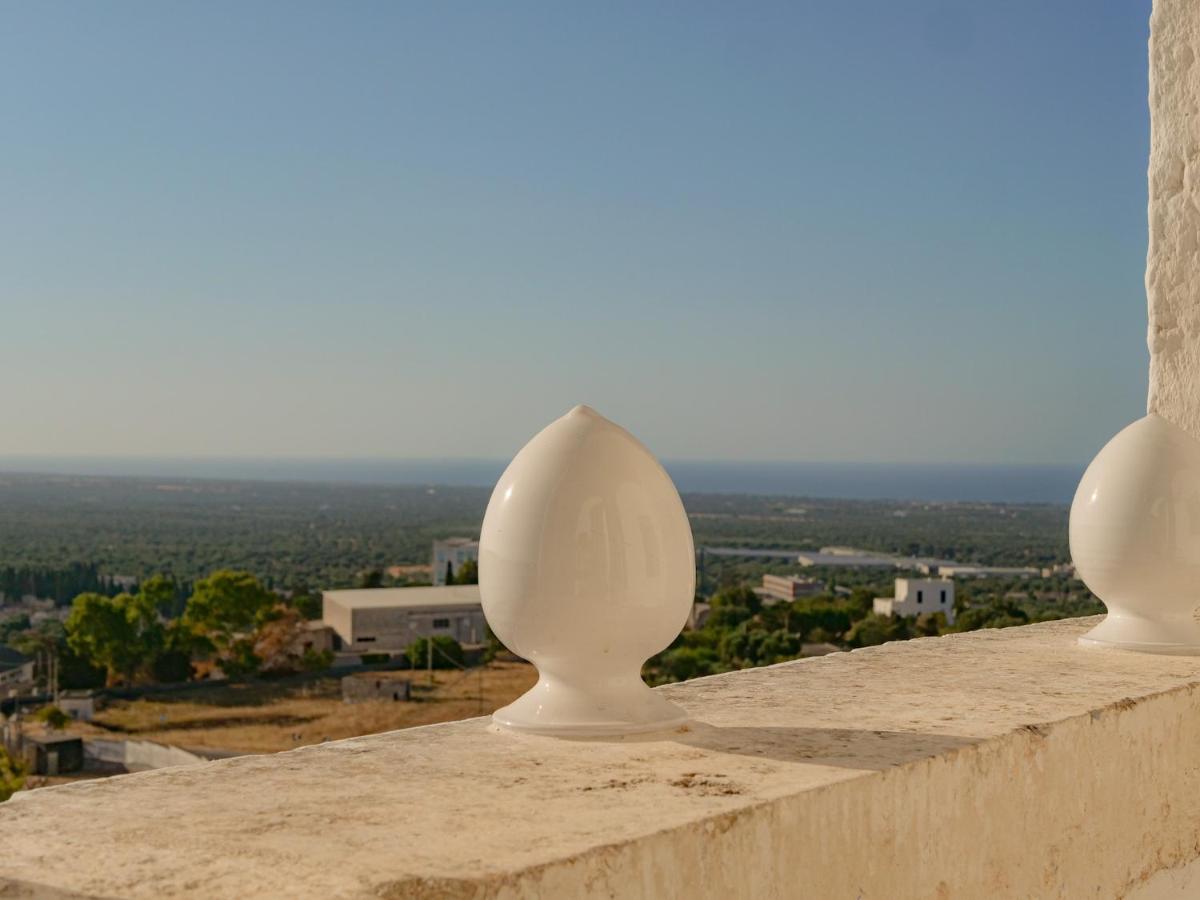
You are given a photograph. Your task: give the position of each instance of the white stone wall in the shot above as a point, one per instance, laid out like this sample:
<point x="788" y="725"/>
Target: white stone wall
<point x="1028" y="767"/>
<point x="1173" y="261"/>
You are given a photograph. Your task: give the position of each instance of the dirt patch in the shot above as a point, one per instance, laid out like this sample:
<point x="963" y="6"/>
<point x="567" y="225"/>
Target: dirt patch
<point x="715" y="785"/>
<point x="264" y="718"/>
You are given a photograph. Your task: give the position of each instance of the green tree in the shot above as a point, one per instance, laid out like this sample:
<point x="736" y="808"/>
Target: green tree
<point x="13" y="626"/>
<point x="308" y="604"/>
<point x="161" y="593"/>
<point x="12" y="775"/>
<point x="732" y="606"/>
<point x="752" y="645"/>
<point x="174" y="661"/>
<point x="447" y="653"/>
<point x="226" y="605"/>
<point x="52" y="717"/>
<point x="76" y="672"/>
<point x="683" y="663"/>
<point x="239" y="658"/>
<point x="738" y="596"/>
<point x="931" y="624"/>
<point x="43" y="642"/>
<point x="810" y="616"/>
<point x="778" y="646"/>
<point x="372" y="578"/>
<point x="468" y="573"/>
<point x="860" y="603"/>
<point x="120" y="634"/>
<point x="723" y="617"/>
<point x="876" y="629"/>
<point x="316" y="660"/>
<point x="994" y="615"/>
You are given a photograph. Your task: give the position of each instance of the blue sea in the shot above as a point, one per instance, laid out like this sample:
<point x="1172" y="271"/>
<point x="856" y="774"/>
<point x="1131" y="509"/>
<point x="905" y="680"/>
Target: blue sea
<point x="850" y="481"/>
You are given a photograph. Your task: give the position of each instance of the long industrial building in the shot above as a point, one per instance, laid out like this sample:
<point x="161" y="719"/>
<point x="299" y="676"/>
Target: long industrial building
<point x="389" y="619"/>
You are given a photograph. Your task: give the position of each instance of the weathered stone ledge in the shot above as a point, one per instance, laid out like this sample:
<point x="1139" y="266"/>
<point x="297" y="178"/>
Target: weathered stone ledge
<point x="997" y="763"/>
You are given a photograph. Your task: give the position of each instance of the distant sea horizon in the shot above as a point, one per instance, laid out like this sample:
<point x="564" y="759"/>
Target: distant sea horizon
<point x="935" y="482"/>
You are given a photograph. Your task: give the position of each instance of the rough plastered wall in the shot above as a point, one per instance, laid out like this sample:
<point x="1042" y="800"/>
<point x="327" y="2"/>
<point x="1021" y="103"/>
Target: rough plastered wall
<point x="1173" y="261"/>
<point x="1002" y="763"/>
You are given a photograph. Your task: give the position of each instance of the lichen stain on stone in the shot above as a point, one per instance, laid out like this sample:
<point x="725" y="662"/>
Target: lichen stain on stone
<point x="435" y="889"/>
<point x="616" y="784"/>
<point x="709" y="785"/>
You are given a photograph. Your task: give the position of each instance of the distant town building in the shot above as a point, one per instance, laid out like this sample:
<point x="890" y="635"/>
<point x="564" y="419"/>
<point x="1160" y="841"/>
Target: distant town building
<point x="387" y="620"/>
<point x="417" y="571"/>
<point x="846" y="557"/>
<point x="16" y="671"/>
<point x="451" y="553"/>
<point x="79" y="705"/>
<point x="1067" y="569"/>
<point x="314" y="636"/>
<point x="53" y="754"/>
<point x="919" y="595"/>
<point x="699" y="615"/>
<point x="789" y="587"/>
<point x="965" y="570"/>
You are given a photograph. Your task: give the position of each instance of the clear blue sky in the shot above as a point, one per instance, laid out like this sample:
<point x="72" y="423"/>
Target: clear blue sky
<point x="887" y="230"/>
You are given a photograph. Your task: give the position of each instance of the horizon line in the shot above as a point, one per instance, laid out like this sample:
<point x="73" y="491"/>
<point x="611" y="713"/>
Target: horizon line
<point x="23" y="458"/>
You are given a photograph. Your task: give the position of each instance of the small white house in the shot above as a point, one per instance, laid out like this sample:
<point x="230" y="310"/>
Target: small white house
<point x="919" y="595"/>
<point x="79" y="705"/>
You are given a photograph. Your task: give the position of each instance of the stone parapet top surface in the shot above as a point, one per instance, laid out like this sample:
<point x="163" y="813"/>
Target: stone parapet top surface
<point x="463" y="810"/>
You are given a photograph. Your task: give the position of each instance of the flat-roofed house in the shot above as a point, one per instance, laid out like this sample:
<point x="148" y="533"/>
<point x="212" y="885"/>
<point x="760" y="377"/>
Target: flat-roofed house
<point x="790" y="587"/>
<point x="389" y="619"/>
<point x="919" y="595"/>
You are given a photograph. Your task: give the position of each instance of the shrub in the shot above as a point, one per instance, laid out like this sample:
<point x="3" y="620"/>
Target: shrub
<point x="447" y="653"/>
<point x="172" y="665"/>
<point x="12" y="775"/>
<point x="52" y="717"/>
<point x="319" y="660"/>
<point x="683" y="663"/>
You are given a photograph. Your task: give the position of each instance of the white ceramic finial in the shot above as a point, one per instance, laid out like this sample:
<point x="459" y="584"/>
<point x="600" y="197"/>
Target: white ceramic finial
<point x="1135" y="538"/>
<point x="586" y="568"/>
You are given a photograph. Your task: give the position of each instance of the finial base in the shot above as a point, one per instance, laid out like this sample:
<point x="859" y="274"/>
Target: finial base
<point x="610" y="709"/>
<point x="1179" y="636"/>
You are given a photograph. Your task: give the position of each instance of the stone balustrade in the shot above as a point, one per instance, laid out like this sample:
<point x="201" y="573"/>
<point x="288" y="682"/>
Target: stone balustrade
<point x="1002" y="763"/>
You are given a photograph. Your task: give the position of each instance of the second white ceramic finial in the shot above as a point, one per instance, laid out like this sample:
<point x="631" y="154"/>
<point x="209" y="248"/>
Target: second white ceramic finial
<point x="1135" y="538"/>
<point x="586" y="568"/>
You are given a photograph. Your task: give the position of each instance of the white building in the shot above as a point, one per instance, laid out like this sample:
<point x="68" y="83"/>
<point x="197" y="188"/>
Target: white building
<point x="919" y="595"/>
<point x="79" y="705"/>
<point x="450" y="554"/>
<point x="789" y="587"/>
<point x="389" y="619"/>
<point x="969" y="571"/>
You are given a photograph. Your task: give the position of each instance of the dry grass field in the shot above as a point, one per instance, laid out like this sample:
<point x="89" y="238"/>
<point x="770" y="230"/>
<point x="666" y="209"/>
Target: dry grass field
<point x="265" y="717"/>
